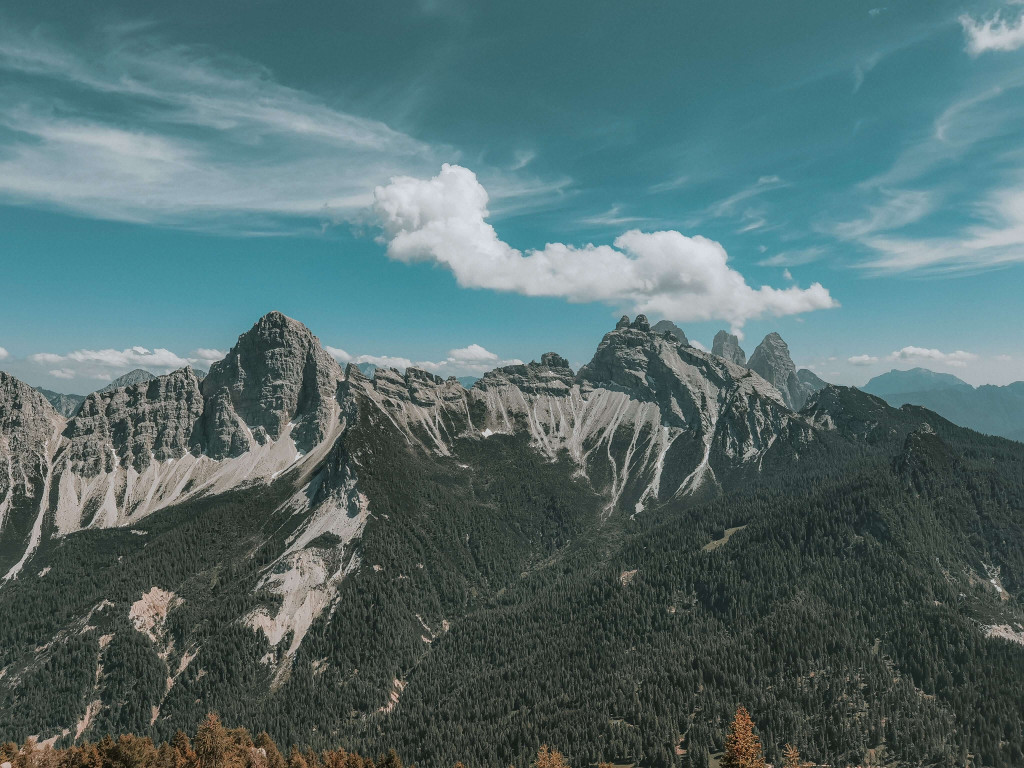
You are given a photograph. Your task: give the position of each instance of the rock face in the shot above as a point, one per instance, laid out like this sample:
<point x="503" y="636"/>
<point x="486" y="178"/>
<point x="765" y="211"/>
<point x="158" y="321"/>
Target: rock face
<point x="65" y="405"/>
<point x="772" y="362"/>
<point x="727" y="346"/>
<point x="667" y="326"/>
<point x="275" y="376"/>
<point x="29" y="432"/>
<point x="647" y="419"/>
<point x="134" y="425"/>
<point x="138" y="376"/>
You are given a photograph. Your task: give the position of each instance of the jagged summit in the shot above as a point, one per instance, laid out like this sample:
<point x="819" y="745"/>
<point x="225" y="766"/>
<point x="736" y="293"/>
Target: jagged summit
<point x="276" y="375"/>
<point x="771" y="360"/>
<point x="667" y="326"/>
<point x="136" y="376"/>
<point x="727" y="346"/>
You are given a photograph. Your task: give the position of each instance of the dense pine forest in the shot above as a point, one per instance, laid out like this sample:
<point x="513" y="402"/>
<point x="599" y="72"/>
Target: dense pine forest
<point x="846" y="596"/>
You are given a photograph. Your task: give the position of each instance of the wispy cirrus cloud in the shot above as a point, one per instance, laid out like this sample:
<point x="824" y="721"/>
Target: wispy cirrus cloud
<point x="139" y="130"/>
<point x="443" y="220"/>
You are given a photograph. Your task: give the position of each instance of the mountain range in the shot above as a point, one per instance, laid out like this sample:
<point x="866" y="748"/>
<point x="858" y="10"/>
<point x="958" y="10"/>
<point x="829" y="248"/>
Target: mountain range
<point x="991" y="409"/>
<point x="607" y="559"/>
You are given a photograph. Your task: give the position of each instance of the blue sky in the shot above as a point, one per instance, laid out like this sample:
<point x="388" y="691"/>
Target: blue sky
<point x="459" y="184"/>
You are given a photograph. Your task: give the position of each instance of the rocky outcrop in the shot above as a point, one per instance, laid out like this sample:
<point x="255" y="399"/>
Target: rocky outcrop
<point x="771" y="361"/>
<point x="134" y="425"/>
<point x="276" y="375"/>
<point x="138" y="376"/>
<point x="667" y="326"/>
<point x="29" y="433"/>
<point x="727" y="346"/>
<point x="66" y="405"/>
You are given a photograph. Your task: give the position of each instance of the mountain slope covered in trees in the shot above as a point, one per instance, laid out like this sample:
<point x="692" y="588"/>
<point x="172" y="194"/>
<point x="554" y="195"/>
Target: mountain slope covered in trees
<point x="609" y="561"/>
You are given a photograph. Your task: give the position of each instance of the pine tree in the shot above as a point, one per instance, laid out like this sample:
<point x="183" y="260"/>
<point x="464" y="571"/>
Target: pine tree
<point x="212" y="744"/>
<point x="550" y="758"/>
<point x="791" y="757"/>
<point x="742" y="746"/>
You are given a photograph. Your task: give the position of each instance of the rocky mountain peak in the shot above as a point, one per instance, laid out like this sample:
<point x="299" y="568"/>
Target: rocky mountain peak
<point x="641" y="323"/>
<point x="727" y="347"/>
<point x="623" y="323"/>
<point x="553" y="360"/>
<point x="276" y="374"/>
<point x="135" y="425"/>
<point x="132" y="377"/>
<point x="667" y="326"/>
<point x="26" y="417"/>
<point x="771" y="360"/>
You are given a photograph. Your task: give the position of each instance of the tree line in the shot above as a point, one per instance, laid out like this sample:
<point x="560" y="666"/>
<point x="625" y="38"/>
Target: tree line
<point x="216" y="746"/>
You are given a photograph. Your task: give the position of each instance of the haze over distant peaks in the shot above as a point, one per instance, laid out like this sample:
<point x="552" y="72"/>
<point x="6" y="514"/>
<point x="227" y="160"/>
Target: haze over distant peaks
<point x="912" y="380"/>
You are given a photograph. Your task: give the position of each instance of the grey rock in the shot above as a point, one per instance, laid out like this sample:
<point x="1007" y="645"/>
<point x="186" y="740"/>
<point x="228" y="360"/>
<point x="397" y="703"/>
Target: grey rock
<point x="135" y="425"/>
<point x="623" y="323"/>
<point x="138" y="376"/>
<point x="727" y="347"/>
<point x="771" y="360"/>
<point x="667" y="326"/>
<point x="641" y="323"/>
<point x="276" y="373"/>
<point x="65" y="405"/>
<point x="27" y="423"/>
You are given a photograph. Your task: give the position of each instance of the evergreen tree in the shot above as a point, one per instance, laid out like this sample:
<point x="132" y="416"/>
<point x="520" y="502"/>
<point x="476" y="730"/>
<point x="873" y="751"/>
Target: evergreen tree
<point x="742" y="746"/>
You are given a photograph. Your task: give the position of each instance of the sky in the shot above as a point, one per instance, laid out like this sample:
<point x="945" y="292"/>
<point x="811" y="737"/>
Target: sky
<point x="458" y="185"/>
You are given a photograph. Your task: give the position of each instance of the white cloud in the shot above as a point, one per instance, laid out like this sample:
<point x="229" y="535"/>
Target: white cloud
<point x="443" y="220"/>
<point x="473" y="359"/>
<point x="338" y="354"/>
<point x="145" y="131"/>
<point x="787" y="275"/>
<point x="958" y="359"/>
<point x="4" y="354"/>
<point x="386" y="361"/>
<point x="992" y="34"/>
<point x="698" y="345"/>
<point x="862" y="360"/>
<point x="207" y="355"/>
<point x="474" y="353"/>
<point x="106" y="364"/>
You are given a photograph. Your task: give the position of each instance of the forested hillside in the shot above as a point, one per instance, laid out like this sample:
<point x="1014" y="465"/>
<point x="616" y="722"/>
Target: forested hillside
<point x="855" y="583"/>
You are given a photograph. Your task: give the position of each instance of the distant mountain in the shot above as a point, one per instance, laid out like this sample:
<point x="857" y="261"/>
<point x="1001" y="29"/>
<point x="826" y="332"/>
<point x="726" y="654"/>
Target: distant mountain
<point x="667" y="326"/>
<point x="913" y="380"/>
<point x="65" y="405"/>
<point x="585" y="558"/>
<point x="990" y="409"/>
<point x="138" y="376"/>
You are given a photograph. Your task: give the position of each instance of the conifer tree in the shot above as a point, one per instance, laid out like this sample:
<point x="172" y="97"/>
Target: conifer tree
<point x="550" y="758"/>
<point x="791" y="757"/>
<point x="742" y="746"/>
<point x="212" y="743"/>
